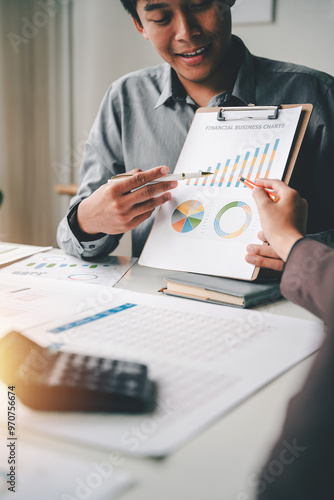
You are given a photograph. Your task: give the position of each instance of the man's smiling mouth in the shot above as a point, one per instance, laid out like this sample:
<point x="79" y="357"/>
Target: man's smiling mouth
<point x="195" y="53"/>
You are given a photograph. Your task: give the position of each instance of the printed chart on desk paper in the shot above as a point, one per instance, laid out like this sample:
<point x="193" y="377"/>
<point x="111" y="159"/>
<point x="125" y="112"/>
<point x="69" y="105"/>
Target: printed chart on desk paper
<point x="207" y="225"/>
<point x="107" y="271"/>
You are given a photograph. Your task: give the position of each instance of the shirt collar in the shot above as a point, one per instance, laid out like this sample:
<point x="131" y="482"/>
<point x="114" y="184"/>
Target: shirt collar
<point x="173" y="89"/>
<point x="243" y="92"/>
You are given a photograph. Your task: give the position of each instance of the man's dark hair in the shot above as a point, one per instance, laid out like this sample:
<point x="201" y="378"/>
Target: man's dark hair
<point x="131" y="7"/>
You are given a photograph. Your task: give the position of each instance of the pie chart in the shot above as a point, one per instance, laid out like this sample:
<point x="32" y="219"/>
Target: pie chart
<point x="187" y="216"/>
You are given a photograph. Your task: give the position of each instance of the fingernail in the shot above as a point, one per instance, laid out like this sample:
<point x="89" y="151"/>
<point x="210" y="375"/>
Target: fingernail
<point x="168" y="197"/>
<point x="164" y="170"/>
<point x="250" y="249"/>
<point x="173" y="184"/>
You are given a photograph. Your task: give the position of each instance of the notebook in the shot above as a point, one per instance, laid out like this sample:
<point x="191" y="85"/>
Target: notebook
<point x="222" y="290"/>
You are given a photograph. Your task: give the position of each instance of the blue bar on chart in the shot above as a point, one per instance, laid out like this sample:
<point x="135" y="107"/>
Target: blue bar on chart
<point x="263" y="159"/>
<point x="271" y="159"/>
<point x="214" y="177"/>
<point x="249" y="165"/>
<point x="206" y="179"/>
<point x="196" y="180"/>
<point x="233" y="171"/>
<point x="224" y="173"/>
<point x="253" y="163"/>
<point x="242" y="169"/>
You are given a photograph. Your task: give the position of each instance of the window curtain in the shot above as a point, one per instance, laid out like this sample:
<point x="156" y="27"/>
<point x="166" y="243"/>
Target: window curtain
<point x="35" y="117"/>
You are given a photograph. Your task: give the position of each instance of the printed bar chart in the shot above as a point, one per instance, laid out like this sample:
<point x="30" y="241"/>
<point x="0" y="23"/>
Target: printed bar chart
<point x="80" y="271"/>
<point x="214" y="177"/>
<point x="196" y="181"/>
<point x="263" y="159"/>
<point x="233" y="171"/>
<point x="241" y="173"/>
<point x="224" y="173"/>
<point x="251" y="165"/>
<point x="271" y="159"/>
<point x="206" y="179"/>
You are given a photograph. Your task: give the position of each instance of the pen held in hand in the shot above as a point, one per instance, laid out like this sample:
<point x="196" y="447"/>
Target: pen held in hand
<point x="252" y="185"/>
<point x="168" y="177"/>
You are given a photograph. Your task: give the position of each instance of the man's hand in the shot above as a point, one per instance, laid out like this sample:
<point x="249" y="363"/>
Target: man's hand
<point x="283" y="223"/>
<point x="115" y="208"/>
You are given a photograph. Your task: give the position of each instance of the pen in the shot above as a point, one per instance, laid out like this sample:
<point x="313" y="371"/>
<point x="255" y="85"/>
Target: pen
<point x="251" y="185"/>
<point x="168" y="177"/>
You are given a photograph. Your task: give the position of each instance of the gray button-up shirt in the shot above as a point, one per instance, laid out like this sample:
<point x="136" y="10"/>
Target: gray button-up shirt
<point x="145" y="116"/>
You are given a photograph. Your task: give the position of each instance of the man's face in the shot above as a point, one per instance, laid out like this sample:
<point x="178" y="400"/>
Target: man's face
<point x="191" y="35"/>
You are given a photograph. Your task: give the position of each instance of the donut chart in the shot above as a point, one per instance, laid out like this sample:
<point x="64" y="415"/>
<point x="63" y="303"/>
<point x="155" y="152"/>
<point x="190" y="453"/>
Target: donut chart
<point x="229" y="206"/>
<point x="187" y="216"/>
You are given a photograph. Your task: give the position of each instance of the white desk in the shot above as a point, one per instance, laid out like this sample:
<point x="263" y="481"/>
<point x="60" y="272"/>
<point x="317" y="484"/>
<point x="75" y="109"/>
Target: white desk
<point x="219" y="463"/>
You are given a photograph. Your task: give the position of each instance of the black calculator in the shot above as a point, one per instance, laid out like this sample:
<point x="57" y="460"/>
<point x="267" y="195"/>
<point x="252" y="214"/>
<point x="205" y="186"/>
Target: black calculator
<point x="47" y="379"/>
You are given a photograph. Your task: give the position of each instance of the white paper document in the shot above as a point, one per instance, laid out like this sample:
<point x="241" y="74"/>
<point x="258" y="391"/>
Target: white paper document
<point x="60" y="266"/>
<point x="11" y="252"/>
<point x="208" y="223"/>
<point x="48" y="474"/>
<point x="30" y="301"/>
<point x="205" y="359"/>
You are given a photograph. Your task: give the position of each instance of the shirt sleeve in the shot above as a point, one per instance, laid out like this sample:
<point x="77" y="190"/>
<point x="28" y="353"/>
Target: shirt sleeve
<point x="304" y="450"/>
<point x="103" y="158"/>
<point x="308" y="277"/>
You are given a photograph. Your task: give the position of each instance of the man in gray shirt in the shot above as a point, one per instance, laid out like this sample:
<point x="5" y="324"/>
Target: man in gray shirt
<point x="145" y="116"/>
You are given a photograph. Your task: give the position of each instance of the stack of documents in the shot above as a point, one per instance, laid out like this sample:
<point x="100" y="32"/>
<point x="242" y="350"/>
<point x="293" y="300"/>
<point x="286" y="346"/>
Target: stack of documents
<point x="11" y="252"/>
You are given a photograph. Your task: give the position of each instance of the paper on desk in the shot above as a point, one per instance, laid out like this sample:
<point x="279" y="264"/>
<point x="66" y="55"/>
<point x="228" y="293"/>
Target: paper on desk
<point x="60" y="266"/>
<point x="204" y="358"/>
<point x="10" y="252"/>
<point x="47" y="474"/>
<point x="27" y="301"/>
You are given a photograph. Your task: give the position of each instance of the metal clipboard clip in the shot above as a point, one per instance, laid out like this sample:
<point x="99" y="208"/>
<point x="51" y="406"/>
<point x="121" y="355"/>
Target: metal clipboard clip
<point x="275" y="109"/>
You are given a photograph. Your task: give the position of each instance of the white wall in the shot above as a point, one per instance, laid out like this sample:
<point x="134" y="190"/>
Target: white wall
<point x="106" y="46"/>
<point x="303" y="33"/>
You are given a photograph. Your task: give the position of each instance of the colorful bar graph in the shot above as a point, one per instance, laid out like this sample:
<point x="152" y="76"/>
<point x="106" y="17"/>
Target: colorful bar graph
<point x="214" y="177"/>
<point x="249" y="165"/>
<point x="196" y="181"/>
<point x="266" y="175"/>
<point x="206" y="179"/>
<point x="263" y="159"/>
<point x="52" y="267"/>
<point x="233" y="171"/>
<point x="253" y="163"/>
<point x="224" y="173"/>
<point x="242" y="169"/>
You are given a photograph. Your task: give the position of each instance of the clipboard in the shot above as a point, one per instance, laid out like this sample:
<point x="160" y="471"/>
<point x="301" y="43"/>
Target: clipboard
<point x="226" y="117"/>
